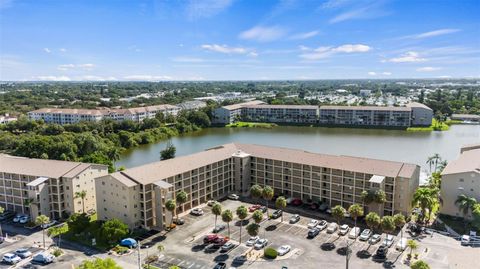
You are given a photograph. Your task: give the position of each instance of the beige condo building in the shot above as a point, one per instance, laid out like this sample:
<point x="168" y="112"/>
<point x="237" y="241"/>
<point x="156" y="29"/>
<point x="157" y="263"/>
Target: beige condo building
<point x="47" y="187"/>
<point x="137" y="196"/>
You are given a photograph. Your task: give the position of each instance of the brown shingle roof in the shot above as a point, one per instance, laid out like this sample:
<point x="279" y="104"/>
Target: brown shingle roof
<point x="469" y="161"/>
<point x="240" y="105"/>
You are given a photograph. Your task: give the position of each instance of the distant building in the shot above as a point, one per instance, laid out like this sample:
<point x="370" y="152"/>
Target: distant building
<point x="365" y="93"/>
<point x="231" y="113"/>
<point x="280" y="113"/>
<point x="192" y="105"/>
<point x="138" y="195"/>
<point x="466" y="117"/>
<point x="461" y="176"/>
<point x="422" y="115"/>
<point x="70" y="116"/>
<point x="4" y="119"/>
<point x="47" y="187"/>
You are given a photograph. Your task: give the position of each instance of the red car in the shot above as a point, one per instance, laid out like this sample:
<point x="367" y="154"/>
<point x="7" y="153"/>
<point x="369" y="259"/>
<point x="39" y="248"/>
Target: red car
<point x="210" y="238"/>
<point x="297" y="202"/>
<point x="220" y="241"/>
<point x="254" y="207"/>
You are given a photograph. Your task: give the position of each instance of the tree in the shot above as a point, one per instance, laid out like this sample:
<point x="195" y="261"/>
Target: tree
<point x="465" y="204"/>
<point x="434" y="160"/>
<point x="281" y="203"/>
<point x="338" y="213"/>
<point x="267" y="194"/>
<point x="373" y="196"/>
<point x="81" y="194"/>
<point x="252" y="229"/>
<point x="373" y="220"/>
<point x="388" y="224"/>
<point x="171" y="205"/>
<point x="425" y="198"/>
<point x="242" y="213"/>
<point x="419" y="265"/>
<point x="227" y="216"/>
<point x="168" y="152"/>
<point x="113" y="230"/>
<point x="257" y="216"/>
<point x="181" y="198"/>
<point x="78" y="222"/>
<point x="412" y="244"/>
<point x="1" y="212"/>
<point x="217" y="211"/>
<point x="98" y="263"/>
<point x="355" y="211"/>
<point x="42" y="220"/>
<point x="399" y="220"/>
<point x="476" y="216"/>
<point x="256" y="191"/>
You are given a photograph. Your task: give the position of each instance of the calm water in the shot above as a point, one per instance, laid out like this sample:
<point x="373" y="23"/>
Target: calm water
<point x="381" y="144"/>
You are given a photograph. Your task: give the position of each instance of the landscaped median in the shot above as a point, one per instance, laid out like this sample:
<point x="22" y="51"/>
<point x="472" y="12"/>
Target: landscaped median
<point x="251" y="125"/>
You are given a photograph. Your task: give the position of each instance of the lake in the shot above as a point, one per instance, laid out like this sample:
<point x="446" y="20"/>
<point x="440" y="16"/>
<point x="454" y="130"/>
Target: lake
<point x="395" y="145"/>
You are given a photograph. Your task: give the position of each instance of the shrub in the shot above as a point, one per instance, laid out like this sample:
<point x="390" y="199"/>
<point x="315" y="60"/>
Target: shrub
<point x="57" y="252"/>
<point x="120" y="249"/>
<point x="270" y="253"/>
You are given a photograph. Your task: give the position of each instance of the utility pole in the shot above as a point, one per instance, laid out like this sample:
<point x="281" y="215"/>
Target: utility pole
<point x="139" y="258"/>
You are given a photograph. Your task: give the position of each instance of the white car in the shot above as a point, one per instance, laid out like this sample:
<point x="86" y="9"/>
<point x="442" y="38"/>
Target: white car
<point x="312" y="224"/>
<point x="365" y="235"/>
<point x="252" y="241"/>
<point x="211" y="202"/>
<point x="282" y="250"/>
<point x="322" y="225"/>
<point x="23" y="253"/>
<point x="11" y="258"/>
<point x="261" y="243"/>
<point x="43" y="258"/>
<point x="354" y="232"/>
<point x="197" y="211"/>
<point x="18" y="217"/>
<point x="388" y="241"/>
<point x="401" y="245"/>
<point x="233" y="196"/>
<point x="465" y="240"/>
<point x="374" y="239"/>
<point x="332" y="227"/>
<point x="48" y="225"/>
<point x="343" y="229"/>
<point x="24" y="219"/>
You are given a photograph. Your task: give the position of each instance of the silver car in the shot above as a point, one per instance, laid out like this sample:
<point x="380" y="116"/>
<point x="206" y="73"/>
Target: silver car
<point x="261" y="243"/>
<point x="282" y="250"/>
<point x="23" y="253"/>
<point x="365" y="235"/>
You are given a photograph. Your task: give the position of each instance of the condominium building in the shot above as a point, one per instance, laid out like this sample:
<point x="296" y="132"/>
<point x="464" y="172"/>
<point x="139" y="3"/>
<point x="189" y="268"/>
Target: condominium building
<point x="138" y="195"/>
<point x="422" y="115"/>
<point x="230" y="114"/>
<point x="4" y="119"/>
<point x="365" y="116"/>
<point x="280" y="113"/>
<point x="47" y="187"/>
<point x="69" y="116"/>
<point x="461" y="176"/>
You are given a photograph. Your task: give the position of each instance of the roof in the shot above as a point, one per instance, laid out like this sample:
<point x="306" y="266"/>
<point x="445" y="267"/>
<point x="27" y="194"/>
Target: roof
<point x="37" y="181"/>
<point x="418" y="105"/>
<point x="153" y="172"/>
<point x="377" y="179"/>
<point x="105" y="111"/>
<point x="282" y="106"/>
<point x="41" y="167"/>
<point x="381" y="108"/>
<point x="240" y="105"/>
<point x="125" y="180"/>
<point x="469" y="161"/>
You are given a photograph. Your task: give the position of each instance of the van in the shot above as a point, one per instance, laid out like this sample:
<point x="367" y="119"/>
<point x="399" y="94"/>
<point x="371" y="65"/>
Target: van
<point x="401" y="245"/>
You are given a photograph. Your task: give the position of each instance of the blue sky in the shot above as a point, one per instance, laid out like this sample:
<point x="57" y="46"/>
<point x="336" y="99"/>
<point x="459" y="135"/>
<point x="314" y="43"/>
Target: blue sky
<point x="238" y="40"/>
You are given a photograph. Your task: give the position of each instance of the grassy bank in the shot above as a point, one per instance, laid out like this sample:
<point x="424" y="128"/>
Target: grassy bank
<point x="435" y="126"/>
<point x="244" y="124"/>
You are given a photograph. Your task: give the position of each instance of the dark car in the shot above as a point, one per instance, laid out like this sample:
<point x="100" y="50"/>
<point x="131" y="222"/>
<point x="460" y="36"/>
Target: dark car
<point x="220" y="265"/>
<point x="382" y="252"/>
<point x="263" y="209"/>
<point x="296" y="202"/>
<point x="276" y="214"/>
<point x="7" y="215"/>
<point x="179" y="221"/>
<point x="313" y="232"/>
<point x="219" y="228"/>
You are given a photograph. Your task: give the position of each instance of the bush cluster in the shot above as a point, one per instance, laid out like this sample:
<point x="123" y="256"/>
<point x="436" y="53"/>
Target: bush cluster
<point x="270" y="253"/>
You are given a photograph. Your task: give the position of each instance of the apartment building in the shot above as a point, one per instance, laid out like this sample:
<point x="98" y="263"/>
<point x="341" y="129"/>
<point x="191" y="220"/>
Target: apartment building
<point x="366" y="116"/>
<point x="422" y="115"/>
<point x="48" y="187"/>
<point x="461" y="176"/>
<point x="69" y="116"/>
<point x="4" y="119"/>
<point x="280" y="113"/>
<point x="138" y="195"/>
<point x="230" y="114"/>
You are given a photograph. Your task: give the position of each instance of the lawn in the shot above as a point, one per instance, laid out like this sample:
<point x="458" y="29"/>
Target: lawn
<point x="244" y="124"/>
<point x="436" y="126"/>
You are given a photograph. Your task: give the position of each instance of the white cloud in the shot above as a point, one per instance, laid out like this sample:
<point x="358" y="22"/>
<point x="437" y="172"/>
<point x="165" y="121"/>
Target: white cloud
<point x="263" y="34"/>
<point x="63" y="50"/>
<point x="183" y="59"/>
<point x="372" y="73"/>
<point x="305" y="35"/>
<point x="387" y="73"/>
<point x="334" y="4"/>
<point x="147" y="78"/>
<point x="65" y="67"/>
<point x="253" y="54"/>
<point x="428" y="69"/>
<point x="97" y="78"/>
<point x="226" y="49"/>
<point x="408" y="57"/>
<point x="361" y="10"/>
<point x="206" y="8"/>
<point x="47" y="50"/>
<point x="53" y="78"/>
<point x="324" y="52"/>
<point x="303" y="48"/>
<point x="435" y="33"/>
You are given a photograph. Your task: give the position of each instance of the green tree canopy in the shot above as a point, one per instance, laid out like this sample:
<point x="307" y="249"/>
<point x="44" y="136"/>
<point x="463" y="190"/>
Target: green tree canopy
<point x="98" y="263"/>
<point x="388" y="224"/>
<point x="113" y="230"/>
<point x="78" y="222"/>
<point x="373" y="220"/>
<point x="256" y="191"/>
<point x="338" y="213"/>
<point x="420" y="265"/>
<point x="252" y="229"/>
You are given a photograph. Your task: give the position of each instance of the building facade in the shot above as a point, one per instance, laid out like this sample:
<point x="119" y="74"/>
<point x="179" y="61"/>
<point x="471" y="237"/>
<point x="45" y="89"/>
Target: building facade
<point x="461" y="176"/>
<point x="138" y="195"/>
<point x="230" y="114"/>
<point x="36" y="186"/>
<point x="365" y="116"/>
<point x="422" y="115"/>
<point x="280" y="113"/>
<point x="70" y="116"/>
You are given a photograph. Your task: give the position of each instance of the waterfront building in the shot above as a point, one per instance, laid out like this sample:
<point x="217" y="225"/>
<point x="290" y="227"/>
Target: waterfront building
<point x="466" y="117"/>
<point x="138" y="195"/>
<point x="461" y="176"/>
<point x="47" y="187"/>
<point x="231" y="113"/>
<point x="365" y="116"/>
<point x="280" y="113"/>
<point x="422" y="115"/>
<point x="70" y="116"/>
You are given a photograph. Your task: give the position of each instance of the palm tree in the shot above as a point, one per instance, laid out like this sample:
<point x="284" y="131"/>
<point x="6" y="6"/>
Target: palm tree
<point x="242" y="213"/>
<point x="160" y="248"/>
<point x="81" y="194"/>
<point x="465" y="204"/>
<point x="256" y="191"/>
<point x="338" y="213"/>
<point x="430" y="162"/>
<point x="399" y="220"/>
<point x="257" y="216"/>
<point x="281" y="202"/>
<point x="436" y="160"/>
<point x="373" y="220"/>
<point x="227" y="216"/>
<point x="42" y="220"/>
<point x="1" y="212"/>
<point x="217" y="211"/>
<point x="181" y="198"/>
<point x="442" y="165"/>
<point x="373" y="196"/>
<point x="387" y="223"/>
<point x="412" y="244"/>
<point x="252" y="229"/>
<point x="355" y="211"/>
<point x="171" y="205"/>
<point x="425" y="198"/>
<point x="267" y="194"/>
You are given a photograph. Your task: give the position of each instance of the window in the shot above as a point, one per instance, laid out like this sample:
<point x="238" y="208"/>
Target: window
<point x="461" y="180"/>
